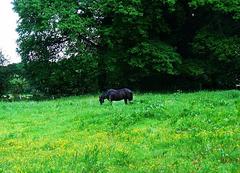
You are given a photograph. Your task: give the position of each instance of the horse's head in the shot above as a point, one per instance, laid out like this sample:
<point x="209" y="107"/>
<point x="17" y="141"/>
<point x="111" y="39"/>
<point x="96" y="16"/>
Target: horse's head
<point x="101" y="99"/>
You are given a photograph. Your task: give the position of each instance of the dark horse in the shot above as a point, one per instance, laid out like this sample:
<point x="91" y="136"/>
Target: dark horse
<point x="116" y="95"/>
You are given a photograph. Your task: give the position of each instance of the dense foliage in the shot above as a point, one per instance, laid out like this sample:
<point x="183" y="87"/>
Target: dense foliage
<point x="8" y="73"/>
<point x="71" y="47"/>
<point x="3" y="74"/>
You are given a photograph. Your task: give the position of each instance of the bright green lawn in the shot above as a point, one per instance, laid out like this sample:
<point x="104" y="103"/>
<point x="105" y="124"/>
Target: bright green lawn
<point x="193" y="132"/>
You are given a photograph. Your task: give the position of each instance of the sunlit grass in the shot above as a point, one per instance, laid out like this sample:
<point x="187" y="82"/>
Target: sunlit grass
<point x="191" y="132"/>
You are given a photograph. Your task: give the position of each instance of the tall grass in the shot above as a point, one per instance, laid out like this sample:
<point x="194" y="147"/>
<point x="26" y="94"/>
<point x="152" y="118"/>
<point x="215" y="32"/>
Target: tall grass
<point x="193" y="132"/>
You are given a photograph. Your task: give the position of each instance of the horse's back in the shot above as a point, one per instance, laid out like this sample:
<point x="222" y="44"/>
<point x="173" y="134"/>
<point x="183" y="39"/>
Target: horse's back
<point x="123" y="90"/>
<point x="126" y="90"/>
<point x="128" y="93"/>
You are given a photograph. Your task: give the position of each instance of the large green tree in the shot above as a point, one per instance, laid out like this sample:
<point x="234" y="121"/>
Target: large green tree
<point x="67" y="46"/>
<point x="54" y="43"/>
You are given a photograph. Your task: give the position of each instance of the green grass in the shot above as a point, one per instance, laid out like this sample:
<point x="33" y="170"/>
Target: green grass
<point x="181" y="132"/>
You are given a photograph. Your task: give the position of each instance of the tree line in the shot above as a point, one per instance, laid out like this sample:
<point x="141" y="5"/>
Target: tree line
<point x="73" y="47"/>
<point x="12" y="79"/>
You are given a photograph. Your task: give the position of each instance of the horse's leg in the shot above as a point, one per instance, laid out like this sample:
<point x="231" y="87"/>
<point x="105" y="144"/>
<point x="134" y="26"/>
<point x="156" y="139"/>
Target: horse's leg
<point x="130" y="101"/>
<point x="110" y="99"/>
<point x="125" y="101"/>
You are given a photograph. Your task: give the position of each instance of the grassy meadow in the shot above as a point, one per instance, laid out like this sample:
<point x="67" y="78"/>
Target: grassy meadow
<point x="178" y="132"/>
